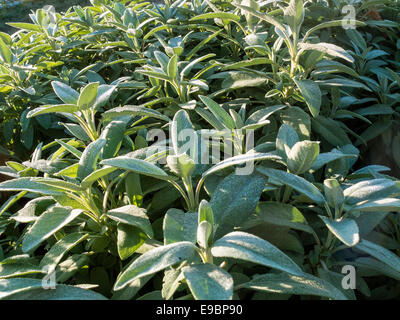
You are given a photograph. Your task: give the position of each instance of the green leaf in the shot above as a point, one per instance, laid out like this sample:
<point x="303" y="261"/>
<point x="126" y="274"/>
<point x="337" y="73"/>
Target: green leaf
<point x="30" y="185"/>
<point x="235" y="199"/>
<point x="76" y="130"/>
<point x="138" y="166"/>
<point x="327" y="48"/>
<point x="223" y="117"/>
<point x="179" y="226"/>
<point x="287" y="137"/>
<point x="134" y="111"/>
<point x="333" y="193"/>
<point x="248" y="63"/>
<point x="370" y="190"/>
<point x="385" y="205"/>
<point x="60" y="184"/>
<point x="70" y="148"/>
<point x="331" y="131"/>
<point x="201" y="44"/>
<point x="240" y="79"/>
<point x="312" y="95"/>
<point x="155" y="260"/>
<point x="5" y="52"/>
<point x="329" y="24"/>
<point x="299" y="184"/>
<point x="302" y="156"/>
<point x="205" y="212"/>
<point x="96" y="175"/>
<point x="132" y="215"/>
<point x="113" y="133"/>
<point x="66" y="108"/>
<point x="373" y="264"/>
<point x="152" y="74"/>
<point x="172" y="67"/>
<point x="346" y="230"/>
<point x="240" y="159"/>
<point x="35" y="206"/>
<point x="327" y="157"/>
<point x="263" y="16"/>
<point x="331" y="66"/>
<point x="204" y="232"/>
<point x="88" y="96"/>
<point x="181" y="128"/>
<point x="294" y="14"/>
<point x="171" y="282"/>
<point x="304" y="284"/>
<point x="182" y="165"/>
<point x="282" y="214"/>
<point x="58" y="250"/>
<point x="380" y="253"/>
<point x="25" y="26"/>
<point x="65" y="93"/>
<point x="299" y="120"/>
<point x="32" y="289"/>
<point x="88" y="161"/>
<point x="104" y="93"/>
<point x="208" y="282"/>
<point x="129" y="239"/>
<point x="17" y="266"/>
<point x="245" y="246"/>
<point x="210" y="118"/>
<point x="218" y="15"/>
<point x="185" y="71"/>
<point x="47" y="224"/>
<point x="162" y="60"/>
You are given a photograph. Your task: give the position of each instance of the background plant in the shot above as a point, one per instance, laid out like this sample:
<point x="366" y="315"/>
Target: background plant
<point x="115" y="213"/>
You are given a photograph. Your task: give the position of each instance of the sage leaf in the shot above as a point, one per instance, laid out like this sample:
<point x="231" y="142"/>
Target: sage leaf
<point x="47" y="224"/>
<point x="155" y="260"/>
<point x="208" y="282"/>
<point x="245" y="246"/>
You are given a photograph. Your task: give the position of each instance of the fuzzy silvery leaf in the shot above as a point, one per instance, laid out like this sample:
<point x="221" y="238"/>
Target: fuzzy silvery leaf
<point x="182" y="165"/>
<point x="245" y="246"/>
<point x="328" y="48"/>
<point x="287" y="137"/>
<point x="88" y="160"/>
<point x="204" y="231"/>
<point x="285" y="283"/>
<point x="235" y="199"/>
<point x="386" y="205"/>
<point x="282" y="214"/>
<point x="382" y="254"/>
<point x="137" y="165"/>
<point x="299" y="184"/>
<point x="87" y="97"/>
<point x="132" y="215"/>
<point x="208" y="282"/>
<point x="32" y="289"/>
<point x="312" y="95"/>
<point x="294" y="14"/>
<point x="371" y="190"/>
<point x="62" y="246"/>
<point x="346" y="230"/>
<point x="155" y="260"/>
<point x="179" y="226"/>
<point x="65" y="93"/>
<point x="47" y="224"/>
<point x="302" y="156"/>
<point x="333" y="193"/>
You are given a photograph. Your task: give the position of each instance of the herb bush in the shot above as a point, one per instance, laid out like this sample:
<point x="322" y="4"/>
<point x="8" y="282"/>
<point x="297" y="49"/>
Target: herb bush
<point x="18" y="10"/>
<point x="98" y="205"/>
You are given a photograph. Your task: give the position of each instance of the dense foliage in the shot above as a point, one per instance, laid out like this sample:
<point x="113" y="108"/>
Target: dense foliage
<point x="18" y="10"/>
<point x="93" y="193"/>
